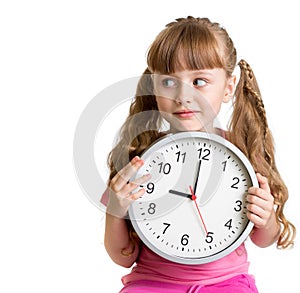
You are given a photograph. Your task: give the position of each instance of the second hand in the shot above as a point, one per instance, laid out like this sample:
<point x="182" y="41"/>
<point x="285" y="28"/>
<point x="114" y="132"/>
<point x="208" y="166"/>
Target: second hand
<point x="194" y="197"/>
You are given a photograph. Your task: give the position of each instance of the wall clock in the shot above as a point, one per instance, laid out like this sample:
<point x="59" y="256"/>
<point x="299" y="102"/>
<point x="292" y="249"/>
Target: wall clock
<point x="194" y="207"/>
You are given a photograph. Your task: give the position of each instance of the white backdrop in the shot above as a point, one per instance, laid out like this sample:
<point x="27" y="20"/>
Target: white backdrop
<point x="55" y="56"/>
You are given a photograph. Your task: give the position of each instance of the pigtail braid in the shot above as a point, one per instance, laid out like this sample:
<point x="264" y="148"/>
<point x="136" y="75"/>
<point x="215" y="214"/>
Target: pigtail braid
<point x="250" y="87"/>
<point x="248" y="130"/>
<point x="251" y="90"/>
<point x="248" y="125"/>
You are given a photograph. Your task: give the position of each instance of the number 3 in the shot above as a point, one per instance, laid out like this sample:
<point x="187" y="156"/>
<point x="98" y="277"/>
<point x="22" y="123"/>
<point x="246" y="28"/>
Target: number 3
<point x="238" y="208"/>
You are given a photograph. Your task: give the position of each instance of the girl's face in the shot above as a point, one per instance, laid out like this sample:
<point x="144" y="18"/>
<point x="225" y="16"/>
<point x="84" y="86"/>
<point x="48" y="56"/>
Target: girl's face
<point x="190" y="100"/>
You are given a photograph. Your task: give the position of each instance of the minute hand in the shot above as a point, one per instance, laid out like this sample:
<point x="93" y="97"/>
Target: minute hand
<point x="197" y="175"/>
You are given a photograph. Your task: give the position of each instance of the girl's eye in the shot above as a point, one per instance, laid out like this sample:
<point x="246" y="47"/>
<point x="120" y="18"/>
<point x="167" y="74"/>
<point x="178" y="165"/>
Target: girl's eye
<point x="199" y="82"/>
<point x="168" y="82"/>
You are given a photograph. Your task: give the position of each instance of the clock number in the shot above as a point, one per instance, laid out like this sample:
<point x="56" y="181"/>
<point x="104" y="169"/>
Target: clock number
<point x="209" y="238"/>
<point x="238" y="208"/>
<point x="165" y="168"/>
<point x="236" y="181"/>
<point x="229" y="224"/>
<point x="150" y="187"/>
<point x="185" y="239"/>
<point x="179" y="154"/>
<point x="203" y="154"/>
<point x="151" y="209"/>
<point x="224" y="167"/>
<point x="167" y="226"/>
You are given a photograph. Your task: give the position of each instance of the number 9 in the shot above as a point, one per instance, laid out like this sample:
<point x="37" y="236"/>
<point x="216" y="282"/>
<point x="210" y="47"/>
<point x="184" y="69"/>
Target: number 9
<point x="150" y="187"/>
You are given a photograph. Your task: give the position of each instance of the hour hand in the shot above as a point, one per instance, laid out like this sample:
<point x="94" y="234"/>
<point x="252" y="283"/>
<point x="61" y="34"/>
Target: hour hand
<point x="180" y="193"/>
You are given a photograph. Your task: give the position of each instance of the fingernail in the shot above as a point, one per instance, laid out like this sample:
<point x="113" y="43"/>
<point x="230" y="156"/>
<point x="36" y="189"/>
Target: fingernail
<point x="135" y="159"/>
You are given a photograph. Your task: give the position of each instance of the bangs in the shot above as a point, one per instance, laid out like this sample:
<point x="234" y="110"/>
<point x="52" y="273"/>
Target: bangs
<point x="184" y="46"/>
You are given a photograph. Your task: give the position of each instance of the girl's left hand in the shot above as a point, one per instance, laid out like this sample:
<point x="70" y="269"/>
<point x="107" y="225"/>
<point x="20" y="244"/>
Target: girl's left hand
<point x="260" y="203"/>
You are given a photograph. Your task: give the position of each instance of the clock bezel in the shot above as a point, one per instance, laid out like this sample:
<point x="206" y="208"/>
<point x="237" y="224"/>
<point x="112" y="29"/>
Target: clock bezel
<point x="242" y="236"/>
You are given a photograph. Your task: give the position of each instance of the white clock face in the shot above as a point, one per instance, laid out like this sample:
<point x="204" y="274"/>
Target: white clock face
<point x="194" y="208"/>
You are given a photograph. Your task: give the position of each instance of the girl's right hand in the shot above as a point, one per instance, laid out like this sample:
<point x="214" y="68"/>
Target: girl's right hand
<point x="121" y="191"/>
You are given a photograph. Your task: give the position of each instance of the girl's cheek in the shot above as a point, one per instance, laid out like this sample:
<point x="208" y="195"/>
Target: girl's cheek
<point x="163" y="103"/>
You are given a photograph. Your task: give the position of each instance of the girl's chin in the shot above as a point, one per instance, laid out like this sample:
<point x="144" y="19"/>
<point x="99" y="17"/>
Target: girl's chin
<point x="179" y="125"/>
<point x="181" y="129"/>
<point x="190" y="127"/>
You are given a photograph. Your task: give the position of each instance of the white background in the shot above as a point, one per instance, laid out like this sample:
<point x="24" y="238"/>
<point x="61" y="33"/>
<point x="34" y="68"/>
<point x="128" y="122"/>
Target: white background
<point x="55" y="57"/>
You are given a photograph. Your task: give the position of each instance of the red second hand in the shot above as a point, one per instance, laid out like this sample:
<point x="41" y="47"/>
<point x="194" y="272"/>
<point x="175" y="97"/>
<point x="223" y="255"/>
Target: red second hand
<point x="194" y="197"/>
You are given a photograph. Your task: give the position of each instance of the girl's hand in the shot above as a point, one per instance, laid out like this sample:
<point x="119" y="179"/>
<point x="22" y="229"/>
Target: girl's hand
<point x="260" y="203"/>
<point x="121" y="193"/>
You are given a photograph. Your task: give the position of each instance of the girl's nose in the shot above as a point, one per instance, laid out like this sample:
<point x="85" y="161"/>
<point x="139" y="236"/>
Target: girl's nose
<point x="184" y="95"/>
<point x="182" y="100"/>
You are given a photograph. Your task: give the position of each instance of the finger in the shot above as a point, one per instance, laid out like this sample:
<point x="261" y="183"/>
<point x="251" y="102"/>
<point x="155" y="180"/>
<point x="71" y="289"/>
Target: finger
<point x="256" y="220"/>
<point x="142" y="180"/>
<point x="261" y="193"/>
<point x="259" y="210"/>
<point x="124" y="175"/>
<point x="253" y="199"/>
<point x="263" y="182"/>
<point x="255" y="209"/>
<point x="131" y="186"/>
<point x="256" y="214"/>
<point x="137" y="195"/>
<point x="261" y="198"/>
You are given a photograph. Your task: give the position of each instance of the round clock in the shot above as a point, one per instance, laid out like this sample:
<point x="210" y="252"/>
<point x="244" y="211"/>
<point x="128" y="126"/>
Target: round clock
<point x="194" y="208"/>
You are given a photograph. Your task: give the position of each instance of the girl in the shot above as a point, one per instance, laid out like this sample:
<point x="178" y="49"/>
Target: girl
<point x="189" y="75"/>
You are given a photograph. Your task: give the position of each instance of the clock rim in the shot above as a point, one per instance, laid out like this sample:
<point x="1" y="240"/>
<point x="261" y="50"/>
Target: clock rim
<point x="172" y="137"/>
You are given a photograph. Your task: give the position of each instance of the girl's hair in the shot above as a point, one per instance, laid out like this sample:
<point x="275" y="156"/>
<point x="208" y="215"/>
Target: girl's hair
<point x="194" y="44"/>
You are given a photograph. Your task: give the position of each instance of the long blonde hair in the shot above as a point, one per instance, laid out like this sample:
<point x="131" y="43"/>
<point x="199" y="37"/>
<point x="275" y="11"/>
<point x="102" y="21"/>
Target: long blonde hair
<point x="194" y="44"/>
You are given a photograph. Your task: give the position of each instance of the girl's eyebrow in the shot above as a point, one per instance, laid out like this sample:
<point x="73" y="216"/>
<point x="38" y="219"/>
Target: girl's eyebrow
<point x="193" y="73"/>
<point x="197" y="72"/>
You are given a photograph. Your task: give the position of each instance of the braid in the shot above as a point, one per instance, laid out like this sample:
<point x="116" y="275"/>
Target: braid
<point x="248" y="129"/>
<point x="255" y="93"/>
<point x="252" y="91"/>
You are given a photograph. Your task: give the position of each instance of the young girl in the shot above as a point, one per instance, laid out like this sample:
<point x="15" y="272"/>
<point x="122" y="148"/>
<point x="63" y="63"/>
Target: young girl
<point x="189" y="75"/>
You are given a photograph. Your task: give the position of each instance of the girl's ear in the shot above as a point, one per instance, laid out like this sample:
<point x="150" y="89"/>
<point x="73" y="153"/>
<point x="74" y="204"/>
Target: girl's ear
<point x="230" y="89"/>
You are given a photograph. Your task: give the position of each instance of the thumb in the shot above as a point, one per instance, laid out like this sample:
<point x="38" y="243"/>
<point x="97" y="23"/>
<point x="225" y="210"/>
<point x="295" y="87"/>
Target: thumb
<point x="263" y="182"/>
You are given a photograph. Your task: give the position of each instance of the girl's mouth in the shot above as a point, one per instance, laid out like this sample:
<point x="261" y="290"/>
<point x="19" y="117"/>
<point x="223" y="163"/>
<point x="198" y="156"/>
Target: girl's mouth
<point x="185" y="113"/>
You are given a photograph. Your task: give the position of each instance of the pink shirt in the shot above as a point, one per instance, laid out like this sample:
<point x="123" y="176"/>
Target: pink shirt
<point x="150" y="266"/>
